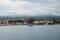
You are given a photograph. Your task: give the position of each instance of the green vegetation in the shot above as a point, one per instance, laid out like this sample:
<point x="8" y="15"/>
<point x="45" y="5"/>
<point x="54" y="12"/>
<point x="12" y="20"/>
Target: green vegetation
<point x="57" y="22"/>
<point x="30" y="20"/>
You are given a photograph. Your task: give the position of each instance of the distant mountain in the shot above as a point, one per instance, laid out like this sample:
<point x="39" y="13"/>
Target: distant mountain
<point x="21" y="17"/>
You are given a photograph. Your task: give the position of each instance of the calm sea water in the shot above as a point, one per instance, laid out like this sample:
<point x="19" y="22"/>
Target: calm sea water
<point x="40" y="32"/>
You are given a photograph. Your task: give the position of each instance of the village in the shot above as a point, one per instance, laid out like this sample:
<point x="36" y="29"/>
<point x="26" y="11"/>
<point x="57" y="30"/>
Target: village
<point x="27" y="22"/>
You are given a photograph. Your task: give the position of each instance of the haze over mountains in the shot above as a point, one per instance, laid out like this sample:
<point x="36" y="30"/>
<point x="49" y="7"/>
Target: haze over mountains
<point x="21" y="17"/>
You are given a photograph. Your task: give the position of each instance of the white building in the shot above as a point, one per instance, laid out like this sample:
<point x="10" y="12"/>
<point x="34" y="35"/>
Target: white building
<point x="36" y="22"/>
<point x="5" y="22"/>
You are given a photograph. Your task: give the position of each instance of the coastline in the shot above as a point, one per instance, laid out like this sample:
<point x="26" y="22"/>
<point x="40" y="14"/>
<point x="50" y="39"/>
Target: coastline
<point x="28" y="25"/>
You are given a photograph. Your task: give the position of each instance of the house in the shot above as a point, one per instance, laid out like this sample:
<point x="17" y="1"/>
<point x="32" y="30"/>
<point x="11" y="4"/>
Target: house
<point x="36" y="22"/>
<point x="1" y="22"/>
<point x="4" y="22"/>
<point x="41" y="22"/>
<point x="25" y="23"/>
<point x="48" y="22"/>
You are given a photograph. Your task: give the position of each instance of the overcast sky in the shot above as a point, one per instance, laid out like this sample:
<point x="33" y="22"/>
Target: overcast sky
<point x="30" y="7"/>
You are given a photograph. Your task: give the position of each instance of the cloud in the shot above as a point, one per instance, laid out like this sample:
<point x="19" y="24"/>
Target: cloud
<point x="27" y="7"/>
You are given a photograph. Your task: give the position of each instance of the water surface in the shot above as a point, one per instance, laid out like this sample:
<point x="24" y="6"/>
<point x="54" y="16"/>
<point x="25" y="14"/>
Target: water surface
<point x="36" y="32"/>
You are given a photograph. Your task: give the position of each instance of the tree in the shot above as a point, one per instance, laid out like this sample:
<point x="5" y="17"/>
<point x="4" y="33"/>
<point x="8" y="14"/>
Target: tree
<point x="30" y="20"/>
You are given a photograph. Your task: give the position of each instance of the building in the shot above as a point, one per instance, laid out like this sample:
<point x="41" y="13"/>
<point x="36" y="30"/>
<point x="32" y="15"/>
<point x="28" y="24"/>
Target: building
<point x="4" y="22"/>
<point x="36" y="22"/>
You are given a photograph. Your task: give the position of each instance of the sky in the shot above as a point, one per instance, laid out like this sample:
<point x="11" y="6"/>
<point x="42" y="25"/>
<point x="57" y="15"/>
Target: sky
<point x="29" y="7"/>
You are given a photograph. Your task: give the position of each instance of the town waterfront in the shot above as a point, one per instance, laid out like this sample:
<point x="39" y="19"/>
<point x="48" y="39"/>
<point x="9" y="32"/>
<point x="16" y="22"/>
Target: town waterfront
<point x="25" y="32"/>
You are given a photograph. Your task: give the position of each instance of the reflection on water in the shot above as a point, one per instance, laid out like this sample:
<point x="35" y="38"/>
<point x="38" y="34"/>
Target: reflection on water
<point x="42" y="32"/>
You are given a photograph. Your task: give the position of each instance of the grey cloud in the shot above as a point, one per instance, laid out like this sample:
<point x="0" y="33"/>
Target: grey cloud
<point x="35" y="7"/>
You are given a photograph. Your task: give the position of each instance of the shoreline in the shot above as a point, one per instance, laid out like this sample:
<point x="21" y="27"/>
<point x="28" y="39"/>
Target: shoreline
<point x="27" y="25"/>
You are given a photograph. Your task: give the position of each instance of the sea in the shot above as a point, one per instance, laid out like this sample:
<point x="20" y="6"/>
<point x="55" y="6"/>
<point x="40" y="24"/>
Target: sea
<point x="30" y="32"/>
